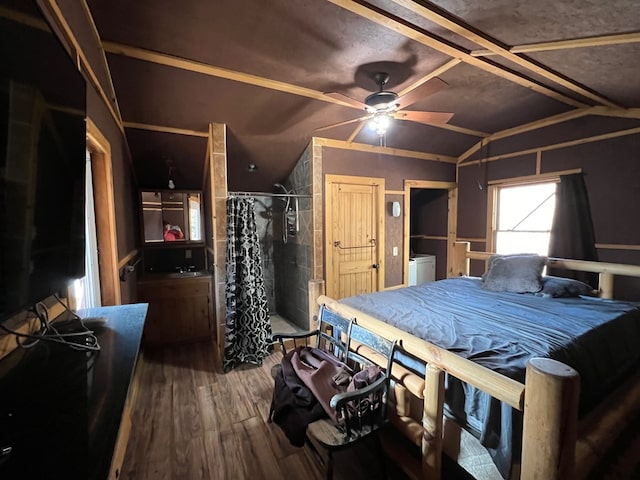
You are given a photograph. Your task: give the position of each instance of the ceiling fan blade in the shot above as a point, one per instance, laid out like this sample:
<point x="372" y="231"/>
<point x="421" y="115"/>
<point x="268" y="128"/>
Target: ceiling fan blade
<point x="423" y="90"/>
<point x="423" y="117"/>
<point x="339" y="124"/>
<point x="343" y="98"/>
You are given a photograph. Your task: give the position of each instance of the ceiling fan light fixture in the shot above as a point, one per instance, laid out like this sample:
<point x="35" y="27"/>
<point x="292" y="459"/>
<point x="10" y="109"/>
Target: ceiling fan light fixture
<point x="380" y="123"/>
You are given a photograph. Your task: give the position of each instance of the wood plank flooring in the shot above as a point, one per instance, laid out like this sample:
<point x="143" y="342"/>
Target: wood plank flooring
<point x="191" y="422"/>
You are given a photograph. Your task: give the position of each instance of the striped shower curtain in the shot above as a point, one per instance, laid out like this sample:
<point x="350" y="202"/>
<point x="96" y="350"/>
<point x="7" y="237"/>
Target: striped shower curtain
<point x="248" y="330"/>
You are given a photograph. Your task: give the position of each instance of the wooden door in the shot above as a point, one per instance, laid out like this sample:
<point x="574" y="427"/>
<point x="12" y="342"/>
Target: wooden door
<point x="354" y="235"/>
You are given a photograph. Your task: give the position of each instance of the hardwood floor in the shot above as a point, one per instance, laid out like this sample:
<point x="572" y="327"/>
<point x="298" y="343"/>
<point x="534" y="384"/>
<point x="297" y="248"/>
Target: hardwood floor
<point x="191" y="422"/>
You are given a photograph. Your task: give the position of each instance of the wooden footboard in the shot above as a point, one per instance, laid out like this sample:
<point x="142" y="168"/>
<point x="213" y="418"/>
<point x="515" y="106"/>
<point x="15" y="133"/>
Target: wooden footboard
<point x="550" y="394"/>
<point x="548" y="399"/>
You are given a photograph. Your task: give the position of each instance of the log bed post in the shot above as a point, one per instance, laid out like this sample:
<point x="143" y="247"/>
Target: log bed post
<point x="550" y="420"/>
<point x="432" y="421"/>
<point x="460" y="263"/>
<point x="605" y="284"/>
<point x="316" y="288"/>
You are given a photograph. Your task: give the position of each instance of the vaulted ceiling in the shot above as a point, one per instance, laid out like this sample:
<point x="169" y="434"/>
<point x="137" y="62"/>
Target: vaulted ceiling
<point x="264" y="67"/>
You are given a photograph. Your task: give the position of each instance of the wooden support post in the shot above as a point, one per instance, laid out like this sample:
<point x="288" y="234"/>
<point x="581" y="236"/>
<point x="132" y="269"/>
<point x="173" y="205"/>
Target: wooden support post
<point x="550" y="420"/>
<point x="605" y="284"/>
<point x="432" y="421"/>
<point x="316" y="288"/>
<point x="460" y="263"/>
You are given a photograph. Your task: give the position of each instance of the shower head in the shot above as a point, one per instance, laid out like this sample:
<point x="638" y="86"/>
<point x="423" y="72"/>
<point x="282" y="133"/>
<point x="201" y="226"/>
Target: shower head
<point x="279" y="185"/>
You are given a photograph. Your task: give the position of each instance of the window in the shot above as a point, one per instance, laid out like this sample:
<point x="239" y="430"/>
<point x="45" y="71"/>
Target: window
<point x="523" y="217"/>
<point x="86" y="290"/>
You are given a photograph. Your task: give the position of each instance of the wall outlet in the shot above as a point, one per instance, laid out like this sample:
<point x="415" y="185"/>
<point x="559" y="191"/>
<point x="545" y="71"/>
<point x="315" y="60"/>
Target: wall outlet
<point x="187" y="254"/>
<point x="395" y="251"/>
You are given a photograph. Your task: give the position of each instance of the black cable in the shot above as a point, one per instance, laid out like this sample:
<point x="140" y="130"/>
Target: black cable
<point x="49" y="333"/>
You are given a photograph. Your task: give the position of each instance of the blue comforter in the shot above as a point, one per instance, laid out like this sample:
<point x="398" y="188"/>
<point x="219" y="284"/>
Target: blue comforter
<point x="502" y="331"/>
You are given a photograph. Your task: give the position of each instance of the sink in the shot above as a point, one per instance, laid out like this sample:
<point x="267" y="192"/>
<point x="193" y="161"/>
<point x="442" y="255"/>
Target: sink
<point x="186" y="274"/>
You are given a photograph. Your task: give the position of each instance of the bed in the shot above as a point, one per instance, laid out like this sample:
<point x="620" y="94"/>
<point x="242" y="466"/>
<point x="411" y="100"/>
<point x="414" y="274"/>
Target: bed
<point x="509" y="362"/>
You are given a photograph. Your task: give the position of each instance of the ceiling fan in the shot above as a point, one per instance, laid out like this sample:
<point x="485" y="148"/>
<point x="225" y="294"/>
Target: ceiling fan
<point x="384" y="106"/>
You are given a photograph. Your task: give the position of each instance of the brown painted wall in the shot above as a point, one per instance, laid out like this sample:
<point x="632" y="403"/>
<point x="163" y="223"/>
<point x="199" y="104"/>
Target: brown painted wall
<point x="124" y="188"/>
<point x="612" y="176"/>
<point x="395" y="170"/>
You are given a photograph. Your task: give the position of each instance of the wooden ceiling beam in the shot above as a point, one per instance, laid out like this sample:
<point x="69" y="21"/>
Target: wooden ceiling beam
<point x="527" y="127"/>
<point x="385" y="19"/>
<point x="599" y="41"/>
<point x="206" y="69"/>
<point x="433" y="15"/>
<point x="556" y="146"/>
<point x="163" y="129"/>
<point x="438" y="71"/>
<point x="545" y="122"/>
<point x="398" y="152"/>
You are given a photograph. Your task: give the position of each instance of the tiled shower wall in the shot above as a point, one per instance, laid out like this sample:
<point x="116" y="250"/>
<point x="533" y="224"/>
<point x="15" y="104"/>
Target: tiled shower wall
<point x="293" y="260"/>
<point x="264" y="207"/>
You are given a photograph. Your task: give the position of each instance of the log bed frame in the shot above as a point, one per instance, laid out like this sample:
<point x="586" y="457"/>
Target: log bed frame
<point x="555" y="446"/>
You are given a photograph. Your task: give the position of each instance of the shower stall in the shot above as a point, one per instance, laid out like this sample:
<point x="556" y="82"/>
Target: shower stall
<point x="283" y="223"/>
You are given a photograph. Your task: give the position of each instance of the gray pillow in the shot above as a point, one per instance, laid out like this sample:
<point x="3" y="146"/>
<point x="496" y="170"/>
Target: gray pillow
<point x="520" y="273"/>
<point x="565" y="287"/>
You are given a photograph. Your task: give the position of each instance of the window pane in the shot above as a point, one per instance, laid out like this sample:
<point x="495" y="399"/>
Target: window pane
<point x="519" y="242"/>
<point x="527" y="207"/>
<point x="525" y="215"/>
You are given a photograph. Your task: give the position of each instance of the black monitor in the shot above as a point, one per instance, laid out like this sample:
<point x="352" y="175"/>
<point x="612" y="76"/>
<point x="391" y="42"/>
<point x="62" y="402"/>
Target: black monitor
<point x="42" y="161"/>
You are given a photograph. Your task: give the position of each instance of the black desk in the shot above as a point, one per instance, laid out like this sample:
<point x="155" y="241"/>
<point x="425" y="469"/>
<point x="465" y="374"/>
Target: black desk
<point x="60" y="409"/>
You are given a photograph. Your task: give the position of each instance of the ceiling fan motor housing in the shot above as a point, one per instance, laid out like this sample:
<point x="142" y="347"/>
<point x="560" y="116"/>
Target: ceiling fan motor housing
<point x="380" y="100"/>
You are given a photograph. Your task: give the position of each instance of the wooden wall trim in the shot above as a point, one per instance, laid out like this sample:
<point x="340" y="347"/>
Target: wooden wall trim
<point x="106" y="229"/>
<point x="73" y="42"/>
<point x="617" y="246"/>
<point x="527" y="127"/>
<point x="538" y="177"/>
<point x="556" y="146"/>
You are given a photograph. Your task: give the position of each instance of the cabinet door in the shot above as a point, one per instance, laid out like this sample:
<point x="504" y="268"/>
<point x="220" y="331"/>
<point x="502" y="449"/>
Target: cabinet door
<point x="179" y="310"/>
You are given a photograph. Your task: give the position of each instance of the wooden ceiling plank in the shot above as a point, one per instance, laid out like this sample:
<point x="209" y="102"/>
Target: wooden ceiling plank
<point x="527" y="127"/>
<point x="205" y="69"/>
<point x="599" y="41"/>
<point x="398" y="152"/>
<point x="387" y="20"/>
<point x="432" y="15"/>
<point x="163" y="129"/>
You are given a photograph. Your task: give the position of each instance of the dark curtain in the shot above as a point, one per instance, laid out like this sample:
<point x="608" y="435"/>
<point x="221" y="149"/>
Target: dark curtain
<point x="248" y="330"/>
<point x="572" y="232"/>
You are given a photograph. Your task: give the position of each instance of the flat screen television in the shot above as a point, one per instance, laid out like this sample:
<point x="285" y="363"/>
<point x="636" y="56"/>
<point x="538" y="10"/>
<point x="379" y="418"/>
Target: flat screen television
<point x="42" y="161"/>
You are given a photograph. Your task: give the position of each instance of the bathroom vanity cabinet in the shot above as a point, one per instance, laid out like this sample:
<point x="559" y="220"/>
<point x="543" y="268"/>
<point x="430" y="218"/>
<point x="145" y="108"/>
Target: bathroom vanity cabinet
<point x="180" y="307"/>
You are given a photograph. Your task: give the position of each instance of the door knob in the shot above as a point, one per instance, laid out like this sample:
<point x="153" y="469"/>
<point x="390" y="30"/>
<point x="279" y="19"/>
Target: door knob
<point x="376" y="265"/>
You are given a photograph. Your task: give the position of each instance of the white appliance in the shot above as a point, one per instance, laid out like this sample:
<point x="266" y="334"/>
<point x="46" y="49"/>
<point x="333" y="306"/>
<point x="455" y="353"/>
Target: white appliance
<point x="422" y="269"/>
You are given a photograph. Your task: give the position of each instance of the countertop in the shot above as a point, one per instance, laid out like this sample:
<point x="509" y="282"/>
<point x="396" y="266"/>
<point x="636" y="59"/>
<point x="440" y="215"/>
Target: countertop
<point x="159" y="276"/>
<point x="60" y="408"/>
